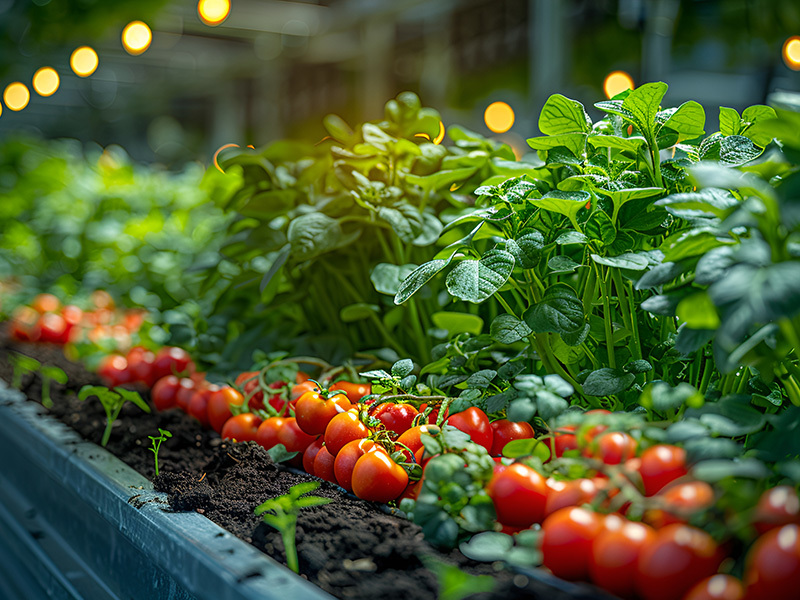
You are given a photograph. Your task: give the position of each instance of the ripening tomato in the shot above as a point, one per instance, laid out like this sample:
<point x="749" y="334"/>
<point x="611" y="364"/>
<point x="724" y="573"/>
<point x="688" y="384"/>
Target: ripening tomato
<point x="165" y="392"/>
<point x="717" y="587"/>
<point x="25" y="324"/>
<point x="310" y="454"/>
<point x="346" y="459"/>
<point x="377" y="478"/>
<point x="474" y="422"/>
<point x="679" y="501"/>
<point x="679" y="557"/>
<point x="303" y="387"/>
<point x="562" y="494"/>
<point x="198" y="404"/>
<point x="395" y="417"/>
<point x="113" y="370"/>
<point x="171" y="360"/>
<point x="772" y="566"/>
<point x="519" y="495"/>
<point x="186" y="389"/>
<point x="615" y="554"/>
<point x="563" y="441"/>
<point x="503" y="431"/>
<point x="661" y="464"/>
<point x="53" y="328"/>
<point x="140" y="363"/>
<point x="267" y="434"/>
<point x="313" y="411"/>
<point x="219" y="406"/>
<point x="45" y="303"/>
<point x="567" y="537"/>
<point x="323" y="465"/>
<point x="776" y="507"/>
<point x="412" y="440"/>
<point x="102" y="300"/>
<point x="241" y="428"/>
<point x="355" y="391"/>
<point x="293" y="438"/>
<point x="612" y="448"/>
<point x="344" y="427"/>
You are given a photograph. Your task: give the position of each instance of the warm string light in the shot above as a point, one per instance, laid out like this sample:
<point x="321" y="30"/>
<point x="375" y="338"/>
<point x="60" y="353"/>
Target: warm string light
<point x="46" y="81"/>
<point x="84" y="61"/>
<point x="213" y="12"/>
<point x="16" y="96"/>
<point x="791" y="52"/>
<point x="617" y="82"/>
<point x="136" y="37"/>
<point x="499" y="117"/>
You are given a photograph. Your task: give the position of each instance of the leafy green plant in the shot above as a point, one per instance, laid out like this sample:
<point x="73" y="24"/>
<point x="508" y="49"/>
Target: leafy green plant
<point x="281" y="513"/>
<point x="47" y="373"/>
<point x="112" y="402"/>
<point x="156" y="441"/>
<point x="22" y="365"/>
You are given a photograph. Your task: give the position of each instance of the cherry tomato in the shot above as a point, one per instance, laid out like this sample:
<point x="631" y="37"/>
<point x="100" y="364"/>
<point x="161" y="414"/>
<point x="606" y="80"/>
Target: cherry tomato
<point x="773" y="564"/>
<point x="293" y="438"/>
<point x="165" y="392"/>
<point x="323" y="465"/>
<point x="567" y="537"/>
<point x="186" y="389"/>
<point x="612" y="448"/>
<point x="474" y="422"/>
<point x="680" y="501"/>
<point x="563" y="441"/>
<point x="503" y="431"/>
<point x="45" y="303"/>
<point x="25" y="324"/>
<point x="310" y="454"/>
<point x="395" y="417"/>
<point x="519" y="495"/>
<point x="313" y="411"/>
<point x="219" y="406"/>
<point x="140" y="363"/>
<point x="53" y="328"/>
<point x="172" y="361"/>
<point x="661" y="464"/>
<point x="776" y="507"/>
<point x="717" y="587"/>
<point x="198" y="405"/>
<point x="678" y="558"/>
<point x="412" y="490"/>
<point x="615" y="554"/>
<point x="102" y="300"/>
<point x="562" y="494"/>
<point x="241" y="428"/>
<point x="267" y="434"/>
<point x="303" y="387"/>
<point x="354" y="391"/>
<point x="346" y="460"/>
<point x="411" y="437"/>
<point x="113" y="370"/>
<point x="344" y="428"/>
<point x="377" y="478"/>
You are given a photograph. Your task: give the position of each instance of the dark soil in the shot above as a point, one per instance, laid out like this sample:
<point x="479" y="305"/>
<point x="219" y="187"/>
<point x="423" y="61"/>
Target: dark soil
<point x="350" y="548"/>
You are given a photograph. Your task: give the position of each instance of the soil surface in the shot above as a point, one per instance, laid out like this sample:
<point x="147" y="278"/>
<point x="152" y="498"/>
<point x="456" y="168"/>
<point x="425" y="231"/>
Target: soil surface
<point x="350" y="548"/>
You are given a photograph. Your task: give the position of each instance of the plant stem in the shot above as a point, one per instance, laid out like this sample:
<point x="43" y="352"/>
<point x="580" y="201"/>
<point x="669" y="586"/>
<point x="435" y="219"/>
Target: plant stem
<point x="287" y="535"/>
<point x="505" y="305"/>
<point x="612" y="361"/>
<point x="589" y="291"/>
<point x="110" y="419"/>
<point x="47" y="402"/>
<point x="707" y="371"/>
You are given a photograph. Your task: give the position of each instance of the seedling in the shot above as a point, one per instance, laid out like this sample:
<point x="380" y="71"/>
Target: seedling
<point x="22" y="365"/>
<point x="48" y="373"/>
<point x="163" y="434"/>
<point x="112" y="402"/>
<point x="281" y="513"/>
<point x="25" y="364"/>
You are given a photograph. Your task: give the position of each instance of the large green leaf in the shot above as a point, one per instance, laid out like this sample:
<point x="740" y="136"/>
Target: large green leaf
<point x="708" y="202"/>
<point x="476" y="280"/>
<point x="419" y="277"/>
<point x="560" y="311"/>
<point x="607" y="382"/>
<point x="729" y="121"/>
<point x="527" y="248"/>
<point x="387" y="277"/>
<point x="575" y="142"/>
<point x="405" y="219"/>
<point x="736" y="150"/>
<point x="626" y="144"/>
<point x="630" y="261"/>
<point x="312" y="234"/>
<point x="563" y="115"/>
<point x="508" y="329"/>
<point x="457" y="322"/>
<point x="643" y="103"/>
<point x="601" y="228"/>
<point x="688" y="120"/>
<point x="698" y="311"/>
<point x="440" y="179"/>
<point x="564" y="203"/>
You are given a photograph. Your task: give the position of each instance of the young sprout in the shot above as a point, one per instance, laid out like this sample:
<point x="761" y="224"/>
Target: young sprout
<point x="163" y="434"/>
<point x="112" y="402"/>
<point x="281" y="513"/>
<point x="22" y="365"/>
<point x="48" y="373"/>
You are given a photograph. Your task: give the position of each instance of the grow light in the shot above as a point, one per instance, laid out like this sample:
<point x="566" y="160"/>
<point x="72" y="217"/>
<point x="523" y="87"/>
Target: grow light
<point x="791" y="53"/>
<point x="213" y="12"/>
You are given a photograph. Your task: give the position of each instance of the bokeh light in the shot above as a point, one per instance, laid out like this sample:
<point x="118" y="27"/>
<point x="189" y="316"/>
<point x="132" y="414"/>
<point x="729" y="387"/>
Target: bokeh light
<point x="499" y="117"/>
<point x="791" y="53"/>
<point x="46" y="81"/>
<point x="213" y="12"/>
<point x="84" y="61"/>
<point x="617" y="82"/>
<point x="16" y="96"/>
<point x="136" y="37"/>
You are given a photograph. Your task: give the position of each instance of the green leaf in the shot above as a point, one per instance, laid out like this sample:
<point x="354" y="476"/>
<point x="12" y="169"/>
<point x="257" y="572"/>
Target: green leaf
<point x="643" y="103"/>
<point x="615" y="107"/>
<point x="358" y="312"/>
<point x="690" y="340"/>
<point x="338" y="129"/>
<point x="507" y="329"/>
<point x="600" y="227"/>
<point x="630" y="261"/>
<point x="698" y="311"/>
<point x="571" y="237"/>
<point x="729" y="121"/>
<point x="481" y="379"/>
<point x="717" y="470"/>
<point x="662" y="397"/>
<point x="313" y="234"/>
<point x="455" y="584"/>
<point x="387" y="278"/>
<point x="620" y="197"/>
<point x="562" y="264"/>
<point x="477" y="280"/>
<point x="133" y="398"/>
<point x="626" y="144"/>
<point x="736" y="150"/>
<point x="638" y="366"/>
<point x="526" y="447"/>
<point x="405" y="219"/>
<point x="402" y="368"/>
<point x="560" y="311"/>
<point x="488" y="546"/>
<point x="688" y="120"/>
<point x="527" y="248"/>
<point x="659" y="275"/>
<point x="440" y="179"/>
<point x="458" y="322"/>
<point x="563" y="115"/>
<point x="607" y="382"/>
<point x="708" y="202"/>
<point x="564" y="203"/>
<point x="279" y="454"/>
<point x="550" y="405"/>
<point x="54" y="373"/>
<point x="574" y="142"/>
<point x="419" y="277"/>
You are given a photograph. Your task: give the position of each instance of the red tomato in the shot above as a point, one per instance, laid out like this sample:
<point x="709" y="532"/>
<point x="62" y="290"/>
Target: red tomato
<point x="241" y="428"/>
<point x="219" y="406"/>
<point x="44" y="303"/>
<point x="615" y="554"/>
<point x="776" y="507"/>
<point x="172" y="361"/>
<point x="140" y="364"/>
<point x="344" y="427"/>
<point x="661" y="464"/>
<point x="53" y="328"/>
<point x="411" y="437"/>
<point x="474" y="422"/>
<point x="680" y="501"/>
<point x="377" y="478"/>
<point x="113" y="370"/>
<point x="165" y="392"/>
<point x="294" y="438"/>
<point x="678" y="558"/>
<point x="354" y="391"/>
<point x="773" y="565"/>
<point x="267" y="434"/>
<point x="562" y="494"/>
<point x="251" y="387"/>
<point x="346" y="460"/>
<point x="612" y="448"/>
<point x="198" y="405"/>
<point x="313" y="411"/>
<point x="519" y="494"/>
<point x="323" y="465"/>
<point x="567" y="537"/>
<point x="186" y="390"/>
<point x="395" y="417"/>
<point x="303" y="387"/>
<point x="503" y="431"/>
<point x="25" y="324"/>
<point x="102" y="300"/>
<point x="561" y="441"/>
<point x="310" y="454"/>
<point x="717" y="587"/>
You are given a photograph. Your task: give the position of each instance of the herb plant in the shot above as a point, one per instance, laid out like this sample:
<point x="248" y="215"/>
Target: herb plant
<point x="156" y="441"/>
<point x="112" y="402"/>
